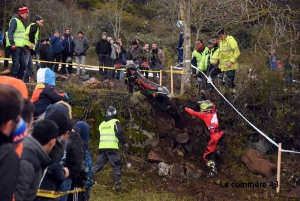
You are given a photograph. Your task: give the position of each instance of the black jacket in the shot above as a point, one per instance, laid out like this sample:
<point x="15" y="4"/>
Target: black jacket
<point x="75" y="154"/>
<point x="9" y="168"/>
<point x="68" y="44"/>
<point x="103" y="47"/>
<point x="45" y="52"/>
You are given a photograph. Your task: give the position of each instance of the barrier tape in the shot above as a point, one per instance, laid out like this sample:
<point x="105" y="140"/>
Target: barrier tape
<point x="54" y="194"/>
<point x="253" y="126"/>
<point x="96" y="67"/>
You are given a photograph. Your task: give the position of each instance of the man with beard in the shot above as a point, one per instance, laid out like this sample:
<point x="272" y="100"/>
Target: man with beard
<point x="157" y="60"/>
<point x="67" y="53"/>
<point x="11" y="105"/>
<point x="213" y="69"/>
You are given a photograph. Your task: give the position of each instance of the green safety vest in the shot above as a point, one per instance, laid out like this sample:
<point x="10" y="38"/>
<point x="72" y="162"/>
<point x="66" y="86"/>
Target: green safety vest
<point x="18" y="35"/>
<point x="199" y="56"/>
<point x="36" y="37"/>
<point x="108" y="138"/>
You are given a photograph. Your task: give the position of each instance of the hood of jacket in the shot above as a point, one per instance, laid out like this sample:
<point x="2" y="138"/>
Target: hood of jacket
<point x="84" y="130"/>
<point x="37" y="149"/>
<point x="46" y="76"/>
<point x="61" y="106"/>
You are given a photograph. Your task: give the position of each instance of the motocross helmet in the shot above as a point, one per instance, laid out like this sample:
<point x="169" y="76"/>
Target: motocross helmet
<point x="111" y="111"/>
<point x="179" y="25"/>
<point x="205" y="105"/>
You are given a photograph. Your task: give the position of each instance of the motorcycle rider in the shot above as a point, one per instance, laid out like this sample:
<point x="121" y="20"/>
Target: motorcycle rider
<point x="208" y="114"/>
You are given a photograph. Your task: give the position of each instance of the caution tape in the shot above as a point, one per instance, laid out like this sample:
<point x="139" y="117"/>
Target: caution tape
<point x="54" y="194"/>
<point x="253" y="126"/>
<point x="97" y="67"/>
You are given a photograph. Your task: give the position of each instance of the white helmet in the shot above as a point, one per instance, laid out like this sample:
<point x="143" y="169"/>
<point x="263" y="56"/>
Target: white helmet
<point x="111" y="111"/>
<point x="179" y="24"/>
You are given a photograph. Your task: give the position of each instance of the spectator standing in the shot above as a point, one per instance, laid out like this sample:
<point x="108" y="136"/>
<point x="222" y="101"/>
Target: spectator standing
<point x="31" y="38"/>
<point x="120" y="56"/>
<point x="103" y="50"/>
<point x="68" y="51"/>
<point x="113" y="56"/>
<point x="34" y="158"/>
<point x="7" y="51"/>
<point x="15" y="40"/>
<point x="56" y="49"/>
<point x="272" y="59"/>
<point x="11" y="105"/>
<point x="227" y="59"/>
<point x="45" y="53"/>
<point x="146" y="56"/>
<point x="157" y="60"/>
<point x="81" y="46"/>
<point x="135" y="53"/>
<point x="197" y="55"/>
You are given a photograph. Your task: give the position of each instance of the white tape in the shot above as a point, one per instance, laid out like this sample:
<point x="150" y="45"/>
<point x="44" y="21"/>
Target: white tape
<point x="263" y="134"/>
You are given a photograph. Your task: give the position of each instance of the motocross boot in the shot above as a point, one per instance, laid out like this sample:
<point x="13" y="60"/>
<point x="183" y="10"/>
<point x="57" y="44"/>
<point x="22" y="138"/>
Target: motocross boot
<point x="212" y="168"/>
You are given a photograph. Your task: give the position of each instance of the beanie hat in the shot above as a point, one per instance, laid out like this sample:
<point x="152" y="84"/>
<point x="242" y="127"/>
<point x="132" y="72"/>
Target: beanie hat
<point x="18" y="84"/>
<point x="109" y="39"/>
<point x="21" y="131"/>
<point x="134" y="43"/>
<point x="61" y="120"/>
<point x="44" y="131"/>
<point x="80" y="32"/>
<point x="61" y="106"/>
<point x="104" y="33"/>
<point x="56" y="31"/>
<point x="46" y="76"/>
<point x="209" y="42"/>
<point x="23" y="10"/>
<point x="84" y="130"/>
<point x="37" y="18"/>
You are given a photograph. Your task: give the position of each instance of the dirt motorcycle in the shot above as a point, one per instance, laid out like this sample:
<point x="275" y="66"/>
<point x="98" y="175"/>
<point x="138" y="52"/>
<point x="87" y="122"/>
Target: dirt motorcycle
<point x="157" y="94"/>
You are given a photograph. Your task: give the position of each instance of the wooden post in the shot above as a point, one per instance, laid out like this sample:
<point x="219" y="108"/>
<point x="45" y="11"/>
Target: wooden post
<point x="160" y="77"/>
<point x="278" y="167"/>
<point x="172" y="82"/>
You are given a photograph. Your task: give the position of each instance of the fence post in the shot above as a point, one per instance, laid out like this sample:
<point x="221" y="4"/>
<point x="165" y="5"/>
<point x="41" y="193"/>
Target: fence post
<point x="172" y="84"/>
<point x="160" y="77"/>
<point x="278" y="167"/>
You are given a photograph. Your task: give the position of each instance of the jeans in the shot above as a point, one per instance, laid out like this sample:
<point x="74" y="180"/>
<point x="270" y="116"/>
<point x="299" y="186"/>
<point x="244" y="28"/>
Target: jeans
<point x="28" y="61"/>
<point x="121" y="74"/>
<point x="18" y="63"/>
<point x="66" y="186"/>
<point x="55" y="57"/>
<point x="80" y="60"/>
<point x="230" y="75"/>
<point x="37" y="64"/>
<point x="7" y="53"/>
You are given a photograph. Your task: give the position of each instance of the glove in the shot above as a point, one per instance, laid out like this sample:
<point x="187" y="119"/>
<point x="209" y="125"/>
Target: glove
<point x="66" y="95"/>
<point x="13" y="48"/>
<point x="126" y="146"/>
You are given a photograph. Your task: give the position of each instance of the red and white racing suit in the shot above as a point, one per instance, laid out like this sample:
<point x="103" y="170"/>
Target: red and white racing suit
<point x="210" y="119"/>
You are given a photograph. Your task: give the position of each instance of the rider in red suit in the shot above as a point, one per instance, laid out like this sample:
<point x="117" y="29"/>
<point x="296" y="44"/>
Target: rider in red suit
<point x="208" y="114"/>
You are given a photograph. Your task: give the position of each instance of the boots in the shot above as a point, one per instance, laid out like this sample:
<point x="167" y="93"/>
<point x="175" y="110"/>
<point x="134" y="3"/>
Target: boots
<point x="212" y="168"/>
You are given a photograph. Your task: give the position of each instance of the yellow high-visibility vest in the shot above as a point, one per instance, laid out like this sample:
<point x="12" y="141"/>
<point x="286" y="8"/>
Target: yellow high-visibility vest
<point x="36" y="37"/>
<point x="18" y="35"/>
<point x="108" y="138"/>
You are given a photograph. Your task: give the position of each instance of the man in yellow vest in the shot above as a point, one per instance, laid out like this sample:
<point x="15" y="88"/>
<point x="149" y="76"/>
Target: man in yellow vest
<point x="227" y="58"/>
<point x="15" y="40"/>
<point x="110" y="135"/>
<point x="31" y="39"/>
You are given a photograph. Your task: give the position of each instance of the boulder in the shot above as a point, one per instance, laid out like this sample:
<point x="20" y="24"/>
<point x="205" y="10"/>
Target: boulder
<point x="177" y="171"/>
<point x="257" y="164"/>
<point x="294" y="193"/>
<point x="153" y="167"/>
<point x="108" y="84"/>
<point x="163" y="169"/>
<point x="192" y="172"/>
<point x="182" y="138"/>
<point x="165" y="126"/>
<point x="153" y="157"/>
<point x="92" y="83"/>
<point x="191" y="144"/>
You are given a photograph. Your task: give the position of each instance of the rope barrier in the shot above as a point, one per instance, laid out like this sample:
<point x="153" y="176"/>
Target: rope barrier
<point x="54" y="194"/>
<point x="96" y="67"/>
<point x="253" y="126"/>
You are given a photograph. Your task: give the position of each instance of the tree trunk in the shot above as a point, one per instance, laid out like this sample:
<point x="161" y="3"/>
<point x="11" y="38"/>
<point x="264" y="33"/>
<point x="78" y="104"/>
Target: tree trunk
<point x="185" y="13"/>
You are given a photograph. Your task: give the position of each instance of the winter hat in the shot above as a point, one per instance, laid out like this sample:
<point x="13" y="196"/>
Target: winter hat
<point x="56" y="31"/>
<point x="80" y="32"/>
<point x="44" y="131"/>
<point x="21" y="131"/>
<point x="134" y="43"/>
<point x="46" y="76"/>
<point x="109" y="39"/>
<point x="37" y="18"/>
<point x="18" y="84"/>
<point x="61" y="106"/>
<point x="61" y="119"/>
<point x="23" y="10"/>
<point x="209" y="42"/>
<point x="104" y="33"/>
<point x="84" y="130"/>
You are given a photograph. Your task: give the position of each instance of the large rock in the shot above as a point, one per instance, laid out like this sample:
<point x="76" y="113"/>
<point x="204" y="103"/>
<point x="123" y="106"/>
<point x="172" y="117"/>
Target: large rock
<point x="257" y="164"/>
<point x="191" y="145"/>
<point x="92" y="83"/>
<point x="295" y="192"/>
<point x="182" y="138"/>
<point x="108" y="84"/>
<point x="192" y="172"/>
<point x="153" y="157"/>
<point x="177" y="171"/>
<point x="165" y="126"/>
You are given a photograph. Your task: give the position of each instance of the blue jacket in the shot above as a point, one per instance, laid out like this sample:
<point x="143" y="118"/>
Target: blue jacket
<point x="0" y="37"/>
<point x="68" y="44"/>
<point x="56" y="44"/>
